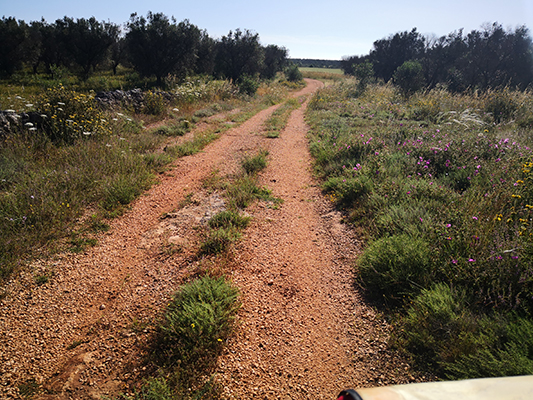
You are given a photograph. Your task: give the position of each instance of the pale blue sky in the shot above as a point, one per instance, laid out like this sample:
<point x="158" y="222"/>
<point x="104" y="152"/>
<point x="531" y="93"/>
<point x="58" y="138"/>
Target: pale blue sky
<point x="308" y="29"/>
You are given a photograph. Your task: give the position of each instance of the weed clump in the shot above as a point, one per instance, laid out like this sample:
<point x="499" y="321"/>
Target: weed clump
<point x="229" y="219"/>
<point x="253" y="165"/>
<point x="197" y="322"/>
<point x="397" y="265"/>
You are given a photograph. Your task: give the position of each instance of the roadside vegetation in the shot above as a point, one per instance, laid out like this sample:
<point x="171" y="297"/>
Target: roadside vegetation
<point x="439" y="184"/>
<point x="63" y="177"/>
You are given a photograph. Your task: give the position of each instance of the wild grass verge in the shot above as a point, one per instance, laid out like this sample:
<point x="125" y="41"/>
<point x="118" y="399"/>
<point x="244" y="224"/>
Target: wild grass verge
<point x="46" y="188"/>
<point x="441" y="184"/>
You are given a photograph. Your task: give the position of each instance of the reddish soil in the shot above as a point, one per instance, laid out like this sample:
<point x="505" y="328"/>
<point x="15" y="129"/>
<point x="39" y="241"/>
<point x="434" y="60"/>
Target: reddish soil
<point x="304" y="331"/>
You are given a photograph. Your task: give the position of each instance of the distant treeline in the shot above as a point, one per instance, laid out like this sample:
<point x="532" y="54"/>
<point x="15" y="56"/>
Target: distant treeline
<point x="487" y="58"/>
<point x="155" y="46"/>
<point x="313" y="63"/>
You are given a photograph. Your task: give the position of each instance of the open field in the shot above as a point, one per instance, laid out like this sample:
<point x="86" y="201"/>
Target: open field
<point x="327" y="70"/>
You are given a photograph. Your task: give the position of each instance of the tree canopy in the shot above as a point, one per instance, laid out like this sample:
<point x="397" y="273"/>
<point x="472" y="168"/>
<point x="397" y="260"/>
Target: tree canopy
<point x="155" y="46"/>
<point x="158" y="46"/>
<point x="485" y="58"/>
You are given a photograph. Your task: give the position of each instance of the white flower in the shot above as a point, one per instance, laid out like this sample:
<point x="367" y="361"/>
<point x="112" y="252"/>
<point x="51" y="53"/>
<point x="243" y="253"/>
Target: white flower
<point x="29" y="105"/>
<point x="120" y="114"/>
<point x="10" y="111"/>
<point x="87" y="133"/>
<point x="59" y="109"/>
<point x="175" y="109"/>
<point x="60" y="103"/>
<point x="29" y="124"/>
<point x="32" y="129"/>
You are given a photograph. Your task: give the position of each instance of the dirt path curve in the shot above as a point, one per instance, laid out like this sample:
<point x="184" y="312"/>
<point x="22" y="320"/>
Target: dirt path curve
<point x="80" y="335"/>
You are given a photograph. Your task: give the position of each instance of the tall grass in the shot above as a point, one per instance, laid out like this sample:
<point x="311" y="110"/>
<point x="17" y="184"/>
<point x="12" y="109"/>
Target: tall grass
<point x="441" y="184"/>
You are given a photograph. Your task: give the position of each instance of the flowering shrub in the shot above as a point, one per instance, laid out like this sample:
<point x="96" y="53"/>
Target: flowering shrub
<point x="69" y="115"/>
<point x="154" y="103"/>
<point x="199" y="90"/>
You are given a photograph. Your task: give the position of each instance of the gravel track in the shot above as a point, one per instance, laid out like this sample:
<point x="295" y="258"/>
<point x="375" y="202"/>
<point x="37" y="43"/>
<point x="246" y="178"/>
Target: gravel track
<point x="303" y="332"/>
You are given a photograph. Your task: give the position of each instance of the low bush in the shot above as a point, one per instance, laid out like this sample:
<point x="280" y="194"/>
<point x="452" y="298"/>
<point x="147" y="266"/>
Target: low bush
<point x="254" y="164"/>
<point x="248" y="85"/>
<point x="398" y="266"/>
<point x="438" y="327"/>
<point x="293" y="74"/>
<point x="197" y="322"/>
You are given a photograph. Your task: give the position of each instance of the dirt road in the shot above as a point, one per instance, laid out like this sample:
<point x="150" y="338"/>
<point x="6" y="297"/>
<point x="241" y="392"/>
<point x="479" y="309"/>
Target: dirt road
<point x="304" y="331"/>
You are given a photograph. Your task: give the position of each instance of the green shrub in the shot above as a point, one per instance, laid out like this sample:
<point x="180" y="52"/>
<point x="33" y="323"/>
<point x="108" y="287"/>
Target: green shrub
<point x="293" y="73"/>
<point x="364" y="72"/>
<point x="248" y="85"/>
<point x="438" y="327"/>
<point x="219" y="240"/>
<point x="409" y="77"/>
<point x="509" y="354"/>
<point x="197" y="322"/>
<point x="348" y="190"/>
<point x="445" y="336"/>
<point x="254" y="164"/>
<point x="395" y="266"/>
<point x="228" y="219"/>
